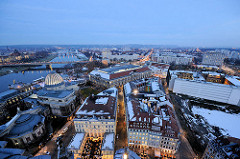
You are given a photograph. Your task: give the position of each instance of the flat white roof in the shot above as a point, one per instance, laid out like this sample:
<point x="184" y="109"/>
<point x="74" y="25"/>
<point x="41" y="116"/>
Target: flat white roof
<point x="130" y="110"/>
<point x="111" y="91"/>
<point x="233" y="80"/>
<point x="77" y="141"/>
<point x="101" y="100"/>
<point x="108" y="142"/>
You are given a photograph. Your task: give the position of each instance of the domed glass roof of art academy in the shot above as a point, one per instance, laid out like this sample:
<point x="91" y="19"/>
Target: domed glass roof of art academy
<point x="53" y="79"/>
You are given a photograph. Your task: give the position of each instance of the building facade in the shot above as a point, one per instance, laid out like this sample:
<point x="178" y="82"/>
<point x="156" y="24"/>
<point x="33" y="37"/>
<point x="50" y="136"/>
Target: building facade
<point x="97" y="119"/>
<point x="222" y="148"/>
<point x="25" y="128"/>
<point x="170" y="57"/>
<point x="58" y="96"/>
<point x="11" y="99"/>
<point x="213" y="58"/>
<point x="118" y="75"/>
<point x="159" y="70"/>
<point x="151" y="124"/>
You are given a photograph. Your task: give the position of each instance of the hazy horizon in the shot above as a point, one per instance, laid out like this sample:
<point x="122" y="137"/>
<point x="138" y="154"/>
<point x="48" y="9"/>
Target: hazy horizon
<point x="186" y="23"/>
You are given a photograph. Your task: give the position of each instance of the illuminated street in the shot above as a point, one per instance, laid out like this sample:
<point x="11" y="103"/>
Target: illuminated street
<point x="185" y="150"/>
<point x="121" y="132"/>
<point x="51" y="146"/>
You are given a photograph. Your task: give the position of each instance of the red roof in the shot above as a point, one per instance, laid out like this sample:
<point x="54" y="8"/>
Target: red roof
<point x="126" y="73"/>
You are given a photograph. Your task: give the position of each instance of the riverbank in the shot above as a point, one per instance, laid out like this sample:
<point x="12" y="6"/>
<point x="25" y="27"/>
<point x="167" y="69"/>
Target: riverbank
<point x="7" y="70"/>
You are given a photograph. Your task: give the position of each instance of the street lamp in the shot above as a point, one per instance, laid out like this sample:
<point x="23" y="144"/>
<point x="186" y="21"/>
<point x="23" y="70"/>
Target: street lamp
<point x="125" y="156"/>
<point x="135" y="92"/>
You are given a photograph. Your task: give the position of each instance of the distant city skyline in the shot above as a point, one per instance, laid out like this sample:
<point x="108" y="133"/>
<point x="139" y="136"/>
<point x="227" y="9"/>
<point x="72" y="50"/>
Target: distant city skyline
<point x="186" y="23"/>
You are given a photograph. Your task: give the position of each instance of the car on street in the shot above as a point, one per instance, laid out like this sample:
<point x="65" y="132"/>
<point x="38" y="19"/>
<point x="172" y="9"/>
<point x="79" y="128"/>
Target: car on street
<point x="65" y="130"/>
<point x="47" y="153"/>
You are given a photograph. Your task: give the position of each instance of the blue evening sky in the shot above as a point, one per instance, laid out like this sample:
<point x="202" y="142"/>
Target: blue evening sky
<point x="197" y="23"/>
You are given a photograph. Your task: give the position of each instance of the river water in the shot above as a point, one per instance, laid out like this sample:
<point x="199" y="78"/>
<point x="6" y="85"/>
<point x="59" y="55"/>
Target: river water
<point x="26" y="77"/>
<point x="29" y="76"/>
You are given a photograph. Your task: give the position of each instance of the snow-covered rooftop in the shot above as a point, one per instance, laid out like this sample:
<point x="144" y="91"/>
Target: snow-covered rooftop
<point x="130" y="110"/>
<point x="101" y="100"/>
<point x="155" y="86"/>
<point x="77" y="141"/>
<point x="108" y="142"/>
<point x="127" y="88"/>
<point x="234" y="80"/>
<point x="120" y="154"/>
<point x="85" y="112"/>
<point x="111" y="91"/>
<point x="100" y="73"/>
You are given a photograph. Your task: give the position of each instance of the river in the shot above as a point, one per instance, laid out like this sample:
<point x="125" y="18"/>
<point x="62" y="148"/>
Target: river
<point x="29" y="76"/>
<point x="26" y="77"/>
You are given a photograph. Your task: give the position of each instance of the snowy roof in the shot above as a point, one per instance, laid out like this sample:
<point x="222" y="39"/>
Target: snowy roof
<point x="98" y="105"/>
<point x="130" y="110"/>
<point x="163" y="98"/>
<point x="76" y="141"/>
<point x="119" y="154"/>
<point x="102" y="74"/>
<point x="155" y="86"/>
<point x="233" y="80"/>
<point x="166" y="102"/>
<point x="101" y="100"/>
<point x="118" y="71"/>
<point x="93" y="112"/>
<point x="108" y="142"/>
<point x="127" y="88"/>
<point x="55" y="94"/>
<point x="212" y="73"/>
<point x="111" y="91"/>
<point x="6" y="94"/>
<point x="207" y="66"/>
<point x="25" y="123"/>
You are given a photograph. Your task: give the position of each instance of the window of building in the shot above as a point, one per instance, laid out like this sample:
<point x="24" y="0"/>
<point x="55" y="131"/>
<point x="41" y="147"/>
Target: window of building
<point x="28" y="139"/>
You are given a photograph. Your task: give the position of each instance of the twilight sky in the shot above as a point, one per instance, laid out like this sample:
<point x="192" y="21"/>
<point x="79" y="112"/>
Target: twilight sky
<point x="197" y="23"/>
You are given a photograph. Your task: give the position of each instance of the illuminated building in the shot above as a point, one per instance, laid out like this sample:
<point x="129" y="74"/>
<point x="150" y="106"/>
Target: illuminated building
<point x="159" y="69"/>
<point x="213" y="58"/>
<point x="125" y="154"/>
<point x="25" y="128"/>
<point x="58" y="95"/>
<point x="96" y="119"/>
<point x="222" y="148"/>
<point x="118" y="75"/>
<point x="151" y="124"/>
<point x="12" y="98"/>
<point x="170" y="57"/>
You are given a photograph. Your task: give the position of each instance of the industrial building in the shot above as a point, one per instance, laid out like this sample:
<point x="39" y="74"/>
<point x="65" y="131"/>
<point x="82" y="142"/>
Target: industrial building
<point x="213" y="87"/>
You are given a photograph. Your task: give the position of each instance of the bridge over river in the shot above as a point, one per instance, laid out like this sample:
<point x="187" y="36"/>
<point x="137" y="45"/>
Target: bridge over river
<point x="39" y="63"/>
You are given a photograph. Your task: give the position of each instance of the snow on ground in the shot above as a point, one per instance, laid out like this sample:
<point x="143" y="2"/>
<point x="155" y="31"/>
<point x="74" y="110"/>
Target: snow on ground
<point x="229" y="122"/>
